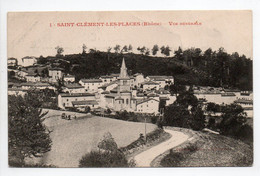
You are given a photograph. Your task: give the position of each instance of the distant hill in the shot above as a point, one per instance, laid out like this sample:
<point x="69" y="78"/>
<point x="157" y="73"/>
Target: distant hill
<point x="217" y="70"/>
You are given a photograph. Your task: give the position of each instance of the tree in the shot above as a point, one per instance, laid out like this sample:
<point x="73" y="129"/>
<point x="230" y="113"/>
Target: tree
<point x="117" y="48"/>
<point x="107" y="143"/>
<point x="109" y="156"/>
<point x="27" y="135"/>
<point x="147" y="52"/>
<point x="162" y="49"/>
<point x="141" y="50"/>
<point x="155" y="49"/>
<point x="124" y="49"/>
<point x="130" y="48"/>
<point x="84" y="48"/>
<point x="109" y="49"/>
<point x="167" y="51"/>
<point x="60" y="50"/>
<point x="234" y="118"/>
<point x="185" y="112"/>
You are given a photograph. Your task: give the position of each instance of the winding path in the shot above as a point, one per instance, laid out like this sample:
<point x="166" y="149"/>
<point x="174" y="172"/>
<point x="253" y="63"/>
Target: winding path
<point x="145" y="158"/>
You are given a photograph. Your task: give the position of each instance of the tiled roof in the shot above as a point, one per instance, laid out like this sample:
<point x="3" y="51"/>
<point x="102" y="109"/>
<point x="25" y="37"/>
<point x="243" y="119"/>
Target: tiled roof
<point x="108" y="84"/>
<point x="73" y="86"/>
<point x="145" y="100"/>
<point x="58" y="69"/>
<point x="160" y="78"/>
<point x="106" y="76"/>
<point x="76" y="94"/>
<point x="85" y="102"/>
<point x="91" y="80"/>
<point x="150" y="83"/>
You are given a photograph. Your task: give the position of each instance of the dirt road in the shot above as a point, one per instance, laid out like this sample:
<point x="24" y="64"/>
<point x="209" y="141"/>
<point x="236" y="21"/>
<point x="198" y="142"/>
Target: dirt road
<point x="145" y="158"/>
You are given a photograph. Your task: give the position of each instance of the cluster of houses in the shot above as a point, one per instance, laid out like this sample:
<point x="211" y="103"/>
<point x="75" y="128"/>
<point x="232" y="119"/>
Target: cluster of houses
<point x="117" y="92"/>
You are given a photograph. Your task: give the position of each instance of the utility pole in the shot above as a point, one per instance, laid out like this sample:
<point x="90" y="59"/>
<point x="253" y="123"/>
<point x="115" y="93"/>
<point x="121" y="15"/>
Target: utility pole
<point x="145" y="129"/>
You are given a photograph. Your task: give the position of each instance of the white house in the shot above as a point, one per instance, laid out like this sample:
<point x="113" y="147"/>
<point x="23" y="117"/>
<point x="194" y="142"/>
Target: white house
<point x="107" y="79"/>
<point x="91" y="85"/>
<point x="161" y="80"/>
<point x="12" y="62"/>
<point x="70" y="99"/>
<point x="55" y="74"/>
<point x="74" y="88"/>
<point x="109" y="86"/>
<point x="16" y="91"/>
<point x="27" y="85"/>
<point x="138" y="79"/>
<point x="148" y="85"/>
<point x="44" y="85"/>
<point x="22" y="73"/>
<point x="33" y="78"/>
<point x="69" y="78"/>
<point x="28" y="61"/>
<point x="149" y="105"/>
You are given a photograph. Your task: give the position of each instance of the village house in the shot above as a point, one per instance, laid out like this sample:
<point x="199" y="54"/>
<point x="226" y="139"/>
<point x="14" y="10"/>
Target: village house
<point x="138" y="79"/>
<point x="91" y="85"/>
<point x="16" y="91"/>
<point x="28" y="61"/>
<point x="107" y="79"/>
<point x="22" y="73"/>
<point x="66" y="100"/>
<point x="55" y="74"/>
<point x="12" y="62"/>
<point x="161" y="80"/>
<point x="32" y="78"/>
<point x="148" y="85"/>
<point x="74" y="88"/>
<point x="109" y="86"/>
<point x="69" y="78"/>
<point x="27" y="85"/>
<point x="43" y="85"/>
<point x="149" y="105"/>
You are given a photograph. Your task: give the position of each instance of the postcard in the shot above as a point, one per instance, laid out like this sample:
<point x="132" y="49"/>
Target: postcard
<point x="130" y="89"/>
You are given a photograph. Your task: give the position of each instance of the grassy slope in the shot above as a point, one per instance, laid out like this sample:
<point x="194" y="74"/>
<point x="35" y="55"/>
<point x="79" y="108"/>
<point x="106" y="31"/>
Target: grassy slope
<point x="72" y="139"/>
<point x="208" y="150"/>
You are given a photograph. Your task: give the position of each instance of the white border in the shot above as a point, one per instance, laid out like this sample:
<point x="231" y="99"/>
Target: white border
<point x="109" y="5"/>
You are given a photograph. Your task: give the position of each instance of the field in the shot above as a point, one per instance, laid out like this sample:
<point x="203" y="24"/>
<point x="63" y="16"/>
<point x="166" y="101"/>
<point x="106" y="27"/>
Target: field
<point x="74" y="138"/>
<point x="208" y="150"/>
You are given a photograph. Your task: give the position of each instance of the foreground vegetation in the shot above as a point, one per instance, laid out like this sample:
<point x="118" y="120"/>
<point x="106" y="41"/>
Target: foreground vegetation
<point x="208" y="150"/>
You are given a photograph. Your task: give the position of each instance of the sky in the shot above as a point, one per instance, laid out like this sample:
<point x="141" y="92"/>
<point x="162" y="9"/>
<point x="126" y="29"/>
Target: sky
<point x="38" y="33"/>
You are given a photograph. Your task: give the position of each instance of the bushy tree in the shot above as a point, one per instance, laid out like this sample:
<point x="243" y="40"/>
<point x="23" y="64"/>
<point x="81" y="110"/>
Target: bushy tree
<point x="108" y="156"/>
<point x="185" y="112"/>
<point x="60" y="50"/>
<point x="27" y="135"/>
<point x="155" y="49"/>
<point x="234" y="118"/>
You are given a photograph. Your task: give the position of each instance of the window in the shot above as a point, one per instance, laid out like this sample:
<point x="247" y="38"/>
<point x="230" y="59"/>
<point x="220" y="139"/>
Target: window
<point x="119" y="102"/>
<point x="67" y="99"/>
<point x="126" y="101"/>
<point x="147" y="105"/>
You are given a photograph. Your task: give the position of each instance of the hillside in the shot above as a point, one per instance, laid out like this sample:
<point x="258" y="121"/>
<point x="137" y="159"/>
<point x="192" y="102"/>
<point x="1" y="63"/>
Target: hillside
<point x="207" y="150"/>
<point x="73" y="139"/>
<point x="188" y="67"/>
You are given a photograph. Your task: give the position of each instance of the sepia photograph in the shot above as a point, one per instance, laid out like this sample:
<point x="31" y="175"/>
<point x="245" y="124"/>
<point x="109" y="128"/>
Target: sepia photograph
<point x="130" y="89"/>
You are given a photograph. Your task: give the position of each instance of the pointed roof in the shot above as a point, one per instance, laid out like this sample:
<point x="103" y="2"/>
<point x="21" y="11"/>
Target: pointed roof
<point x="123" y="70"/>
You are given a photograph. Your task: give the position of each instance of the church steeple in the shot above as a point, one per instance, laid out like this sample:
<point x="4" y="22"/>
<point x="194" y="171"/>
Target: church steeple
<point x="123" y="70"/>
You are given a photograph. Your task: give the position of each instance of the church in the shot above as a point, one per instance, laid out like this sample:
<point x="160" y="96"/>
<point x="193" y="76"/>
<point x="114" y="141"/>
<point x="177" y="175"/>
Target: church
<point x="120" y="98"/>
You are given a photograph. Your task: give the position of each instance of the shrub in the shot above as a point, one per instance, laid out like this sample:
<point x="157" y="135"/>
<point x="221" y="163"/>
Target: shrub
<point x="154" y="119"/>
<point x="104" y="159"/>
